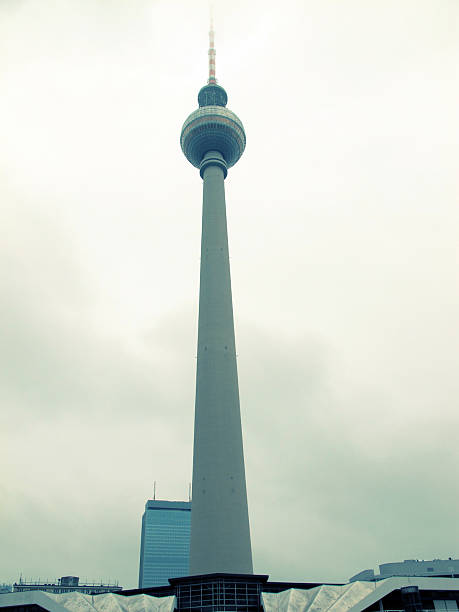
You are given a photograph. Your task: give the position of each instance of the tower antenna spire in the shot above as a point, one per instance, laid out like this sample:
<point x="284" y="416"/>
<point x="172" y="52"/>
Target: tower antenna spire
<point x="211" y="80"/>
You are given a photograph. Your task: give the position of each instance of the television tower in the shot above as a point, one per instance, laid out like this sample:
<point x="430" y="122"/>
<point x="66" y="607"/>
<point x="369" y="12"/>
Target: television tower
<point x="213" y="139"/>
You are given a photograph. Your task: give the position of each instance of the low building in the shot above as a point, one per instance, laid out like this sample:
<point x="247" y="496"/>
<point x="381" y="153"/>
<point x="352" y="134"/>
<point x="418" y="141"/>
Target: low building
<point x="66" y="584"/>
<point x="445" y="568"/>
<point x="396" y="594"/>
<point x="253" y="593"/>
<point x="37" y="601"/>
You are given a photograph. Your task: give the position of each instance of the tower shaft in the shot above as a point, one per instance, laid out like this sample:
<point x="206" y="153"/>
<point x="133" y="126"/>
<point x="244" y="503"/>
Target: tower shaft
<point x="220" y="534"/>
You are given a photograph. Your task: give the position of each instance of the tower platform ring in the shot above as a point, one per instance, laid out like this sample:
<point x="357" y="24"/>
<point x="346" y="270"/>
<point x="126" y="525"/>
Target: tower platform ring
<point x="212" y="128"/>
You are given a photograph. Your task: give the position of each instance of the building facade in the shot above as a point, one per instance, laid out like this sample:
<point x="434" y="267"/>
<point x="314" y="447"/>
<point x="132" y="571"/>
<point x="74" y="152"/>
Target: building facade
<point x="165" y="542"/>
<point x="254" y="593"/>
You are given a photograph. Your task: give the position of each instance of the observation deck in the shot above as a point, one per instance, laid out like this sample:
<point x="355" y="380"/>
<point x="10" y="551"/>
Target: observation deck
<point x="212" y="127"/>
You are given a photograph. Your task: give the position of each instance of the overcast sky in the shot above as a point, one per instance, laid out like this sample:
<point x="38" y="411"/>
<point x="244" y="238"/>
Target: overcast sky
<point x="343" y="226"/>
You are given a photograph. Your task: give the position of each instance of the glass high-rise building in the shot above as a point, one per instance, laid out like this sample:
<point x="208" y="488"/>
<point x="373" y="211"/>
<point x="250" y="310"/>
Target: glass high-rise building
<point x="165" y="542"/>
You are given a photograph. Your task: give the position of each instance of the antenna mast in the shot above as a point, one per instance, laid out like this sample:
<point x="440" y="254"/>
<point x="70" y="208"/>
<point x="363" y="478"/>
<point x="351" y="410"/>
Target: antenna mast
<point x="154" y="490"/>
<point x="211" y="80"/>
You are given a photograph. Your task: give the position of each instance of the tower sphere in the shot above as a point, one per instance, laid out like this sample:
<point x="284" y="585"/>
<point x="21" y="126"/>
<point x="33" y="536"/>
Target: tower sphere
<point x="212" y="127"/>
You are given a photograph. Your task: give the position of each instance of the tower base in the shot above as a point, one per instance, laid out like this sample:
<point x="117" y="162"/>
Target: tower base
<point x="220" y="592"/>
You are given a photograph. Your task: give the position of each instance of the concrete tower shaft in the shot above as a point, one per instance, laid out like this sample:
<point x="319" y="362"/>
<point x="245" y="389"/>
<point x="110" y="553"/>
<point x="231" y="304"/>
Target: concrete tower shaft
<point x="220" y="533"/>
